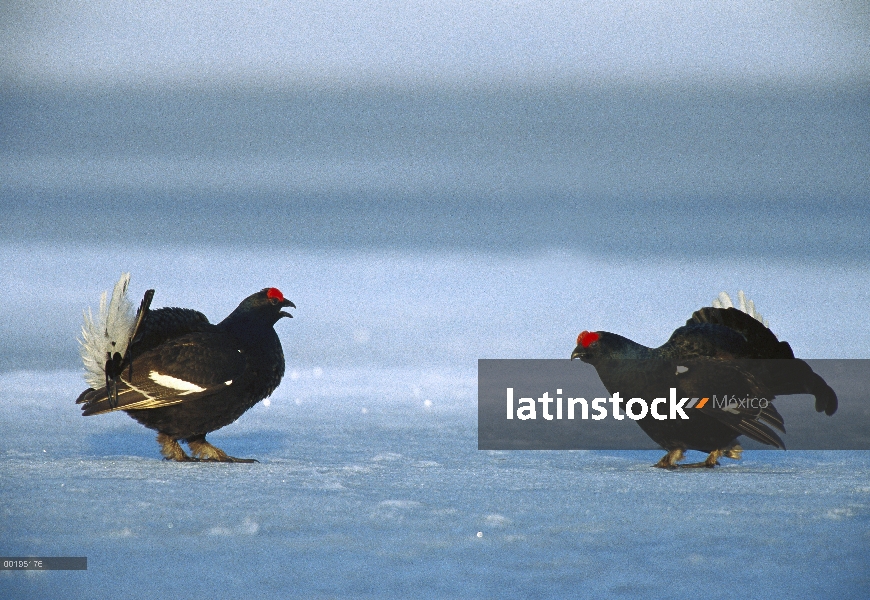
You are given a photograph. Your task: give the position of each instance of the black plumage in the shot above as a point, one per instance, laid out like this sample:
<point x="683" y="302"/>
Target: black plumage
<point x="717" y="349"/>
<point x="185" y="377"/>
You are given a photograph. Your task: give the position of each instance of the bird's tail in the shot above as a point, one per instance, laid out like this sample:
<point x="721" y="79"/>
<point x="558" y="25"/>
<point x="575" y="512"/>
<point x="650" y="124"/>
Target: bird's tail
<point x="105" y="343"/>
<point x="109" y="334"/>
<point x="747" y="306"/>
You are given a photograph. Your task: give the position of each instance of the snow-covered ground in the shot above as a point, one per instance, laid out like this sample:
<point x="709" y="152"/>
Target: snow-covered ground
<point x="370" y="482"/>
<point x="381" y="492"/>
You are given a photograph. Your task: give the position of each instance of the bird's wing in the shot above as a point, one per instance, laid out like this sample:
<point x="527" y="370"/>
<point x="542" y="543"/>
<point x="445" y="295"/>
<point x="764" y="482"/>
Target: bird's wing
<point x="163" y="324"/>
<point x="761" y="341"/>
<point x="731" y="386"/>
<point x="797" y="377"/>
<point x="752" y="423"/>
<point x="191" y="366"/>
<point x="711" y="340"/>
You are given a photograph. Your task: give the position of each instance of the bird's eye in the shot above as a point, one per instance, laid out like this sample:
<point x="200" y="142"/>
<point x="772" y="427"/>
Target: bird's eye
<point x="273" y="301"/>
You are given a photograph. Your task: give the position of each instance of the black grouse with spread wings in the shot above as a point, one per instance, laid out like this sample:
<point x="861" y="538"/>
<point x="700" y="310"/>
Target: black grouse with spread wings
<point x="719" y="348"/>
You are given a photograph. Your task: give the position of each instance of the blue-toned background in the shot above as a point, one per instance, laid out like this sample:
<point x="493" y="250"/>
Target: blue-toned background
<point x="430" y="186"/>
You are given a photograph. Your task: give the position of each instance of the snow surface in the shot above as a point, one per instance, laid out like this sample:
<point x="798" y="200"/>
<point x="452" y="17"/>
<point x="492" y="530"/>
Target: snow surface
<point x="375" y="494"/>
<point x="370" y="482"/>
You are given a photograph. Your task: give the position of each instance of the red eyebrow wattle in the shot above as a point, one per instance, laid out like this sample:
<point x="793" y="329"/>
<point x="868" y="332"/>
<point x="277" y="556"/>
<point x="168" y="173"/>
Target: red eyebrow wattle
<point x="587" y="337"/>
<point x="275" y="293"/>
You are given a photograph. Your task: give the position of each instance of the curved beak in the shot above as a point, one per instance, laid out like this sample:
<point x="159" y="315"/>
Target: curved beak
<point x="579" y="352"/>
<point x="285" y="304"/>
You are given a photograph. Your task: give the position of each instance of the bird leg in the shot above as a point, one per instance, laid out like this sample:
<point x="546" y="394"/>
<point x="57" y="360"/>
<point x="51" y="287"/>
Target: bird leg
<point x="171" y="449"/>
<point x="735" y="452"/>
<point x="670" y="460"/>
<point x="712" y="460"/>
<point x="202" y="450"/>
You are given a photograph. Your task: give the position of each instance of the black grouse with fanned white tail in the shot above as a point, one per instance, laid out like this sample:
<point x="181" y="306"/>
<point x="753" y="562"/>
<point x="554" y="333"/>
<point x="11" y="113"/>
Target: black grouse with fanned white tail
<point x="176" y="373"/>
<point x="720" y="347"/>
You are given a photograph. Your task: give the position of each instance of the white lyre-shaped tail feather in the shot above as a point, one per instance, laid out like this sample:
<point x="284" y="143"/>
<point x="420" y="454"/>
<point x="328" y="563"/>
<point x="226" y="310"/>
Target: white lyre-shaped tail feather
<point x="110" y="334"/>
<point x="747" y="306"/>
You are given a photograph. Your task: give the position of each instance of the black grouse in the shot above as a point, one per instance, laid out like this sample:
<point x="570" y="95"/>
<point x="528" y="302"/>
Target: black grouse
<point x="176" y="373"/>
<point x="718" y="348"/>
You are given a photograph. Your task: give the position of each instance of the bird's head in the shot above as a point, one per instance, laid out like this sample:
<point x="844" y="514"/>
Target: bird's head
<point x="593" y="346"/>
<point x="588" y="346"/>
<point x="265" y="304"/>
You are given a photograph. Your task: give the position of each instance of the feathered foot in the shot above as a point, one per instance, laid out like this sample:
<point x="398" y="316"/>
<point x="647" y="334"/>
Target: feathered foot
<point x="202" y="450"/>
<point x="171" y="449"/>
<point x="711" y="461"/>
<point x="735" y="452"/>
<point x="670" y="460"/>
